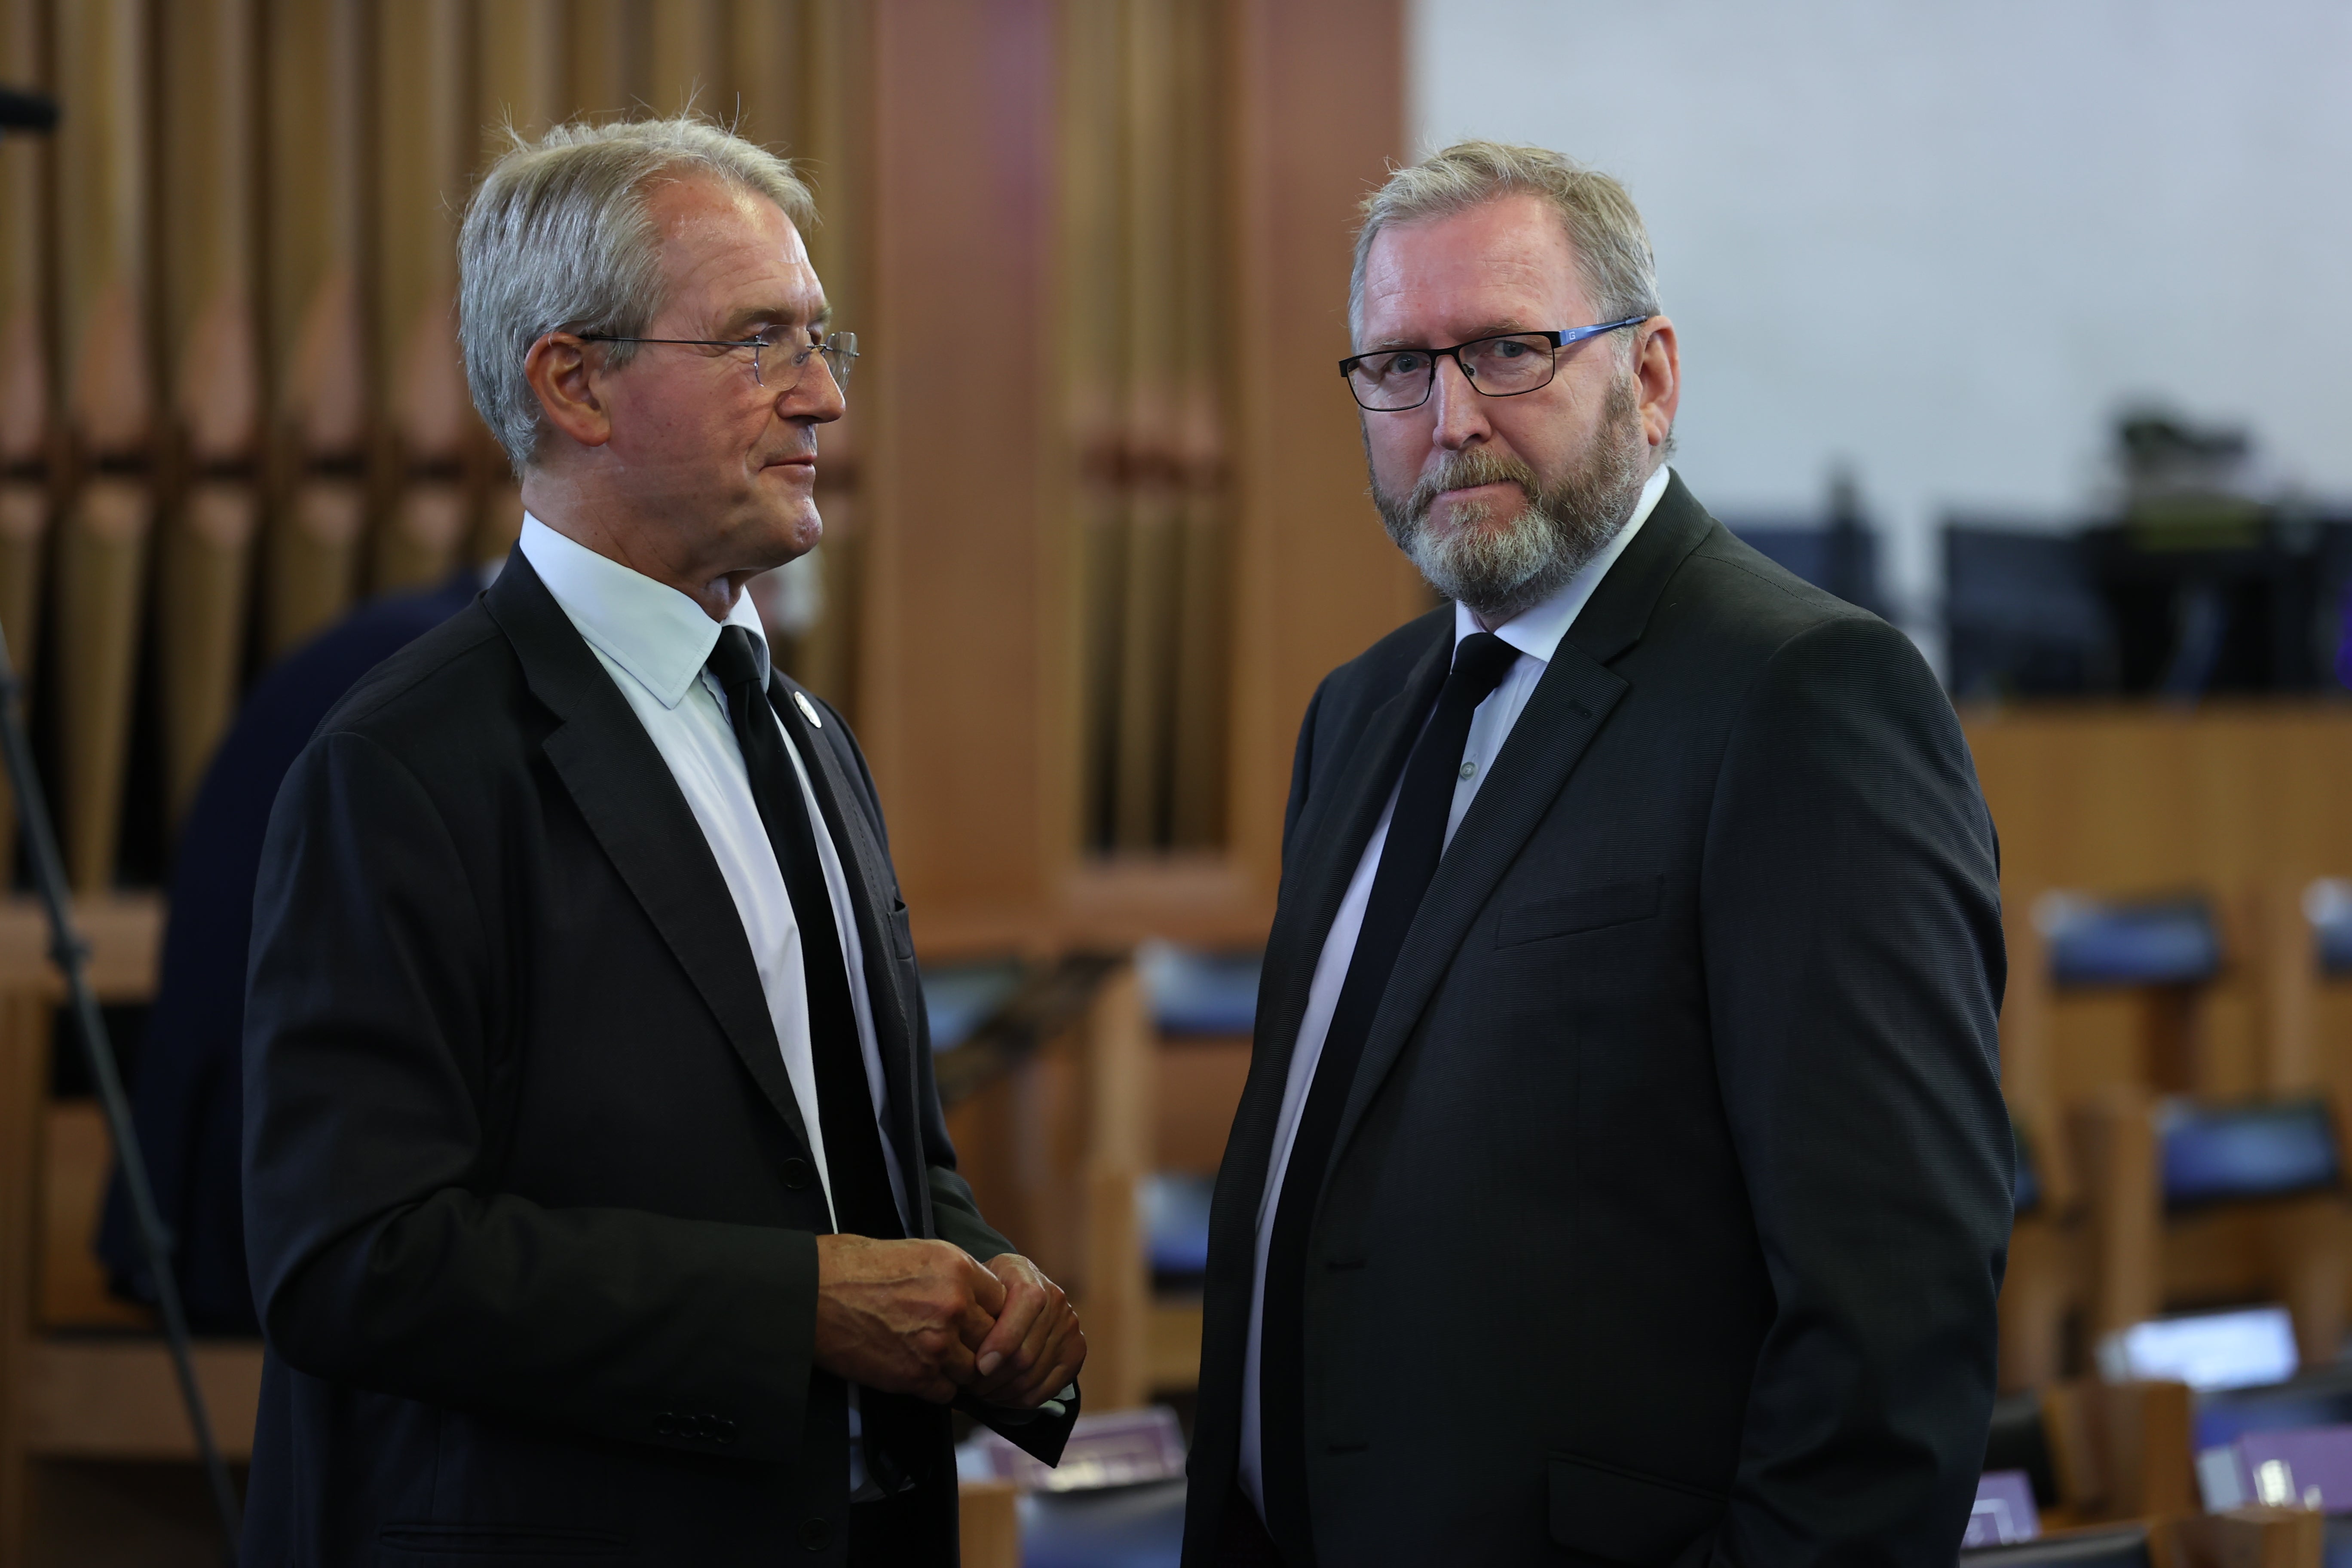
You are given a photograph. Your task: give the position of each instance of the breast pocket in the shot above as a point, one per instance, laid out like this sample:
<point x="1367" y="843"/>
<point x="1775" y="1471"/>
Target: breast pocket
<point x="1587" y="909"/>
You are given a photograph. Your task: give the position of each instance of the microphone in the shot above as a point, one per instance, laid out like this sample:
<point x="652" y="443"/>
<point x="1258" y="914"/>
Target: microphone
<point x="26" y="111"/>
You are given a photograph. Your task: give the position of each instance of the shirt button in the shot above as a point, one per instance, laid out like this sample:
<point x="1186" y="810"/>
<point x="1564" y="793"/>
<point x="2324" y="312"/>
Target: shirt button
<point x="797" y="1174"/>
<point x="1469" y="769"/>
<point x="815" y="1533"/>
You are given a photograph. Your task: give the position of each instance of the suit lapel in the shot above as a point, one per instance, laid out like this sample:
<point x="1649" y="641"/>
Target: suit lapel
<point x="632" y="804"/>
<point x="871" y="898"/>
<point x="1332" y="833"/>
<point x="1566" y="710"/>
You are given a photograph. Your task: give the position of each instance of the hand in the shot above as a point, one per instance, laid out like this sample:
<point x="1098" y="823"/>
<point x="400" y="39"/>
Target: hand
<point x="1035" y="1347"/>
<point x="904" y="1317"/>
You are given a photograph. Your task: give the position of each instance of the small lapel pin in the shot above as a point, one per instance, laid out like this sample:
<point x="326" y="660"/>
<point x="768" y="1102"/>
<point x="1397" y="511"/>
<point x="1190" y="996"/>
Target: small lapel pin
<point x="808" y="709"/>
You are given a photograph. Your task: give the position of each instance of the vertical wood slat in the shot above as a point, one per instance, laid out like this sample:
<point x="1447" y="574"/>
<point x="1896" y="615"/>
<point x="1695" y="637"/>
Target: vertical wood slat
<point x="1316" y="111"/>
<point x="25" y="380"/>
<point x="962" y="622"/>
<point x="424" y="146"/>
<point x="102" y="237"/>
<point x="607" y="56"/>
<point x="212" y="359"/>
<point x="317" y="335"/>
<point x="682" y="58"/>
<point x="1202" y="704"/>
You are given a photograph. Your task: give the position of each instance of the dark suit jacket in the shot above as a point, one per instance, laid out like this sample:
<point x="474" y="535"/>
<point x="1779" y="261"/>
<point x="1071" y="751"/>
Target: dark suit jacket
<point x="1671" y="1199"/>
<point x="529" y="1201"/>
<point x="187" y="1084"/>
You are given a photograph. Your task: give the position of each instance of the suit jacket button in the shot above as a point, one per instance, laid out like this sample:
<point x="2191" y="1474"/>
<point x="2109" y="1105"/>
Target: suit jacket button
<point x="797" y="1174"/>
<point x="725" y="1431"/>
<point x="665" y="1425"/>
<point x="815" y="1533"/>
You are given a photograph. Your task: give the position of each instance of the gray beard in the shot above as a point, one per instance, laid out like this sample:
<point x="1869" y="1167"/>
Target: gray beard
<point x="1502" y="572"/>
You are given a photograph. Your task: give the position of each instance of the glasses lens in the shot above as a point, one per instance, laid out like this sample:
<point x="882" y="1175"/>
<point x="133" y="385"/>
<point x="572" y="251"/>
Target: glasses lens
<point x="1389" y="382"/>
<point x="1500" y="366"/>
<point x="840" y="354"/>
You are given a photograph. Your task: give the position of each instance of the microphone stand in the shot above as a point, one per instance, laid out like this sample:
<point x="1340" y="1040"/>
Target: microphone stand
<point x="36" y="112"/>
<point x="71" y="954"/>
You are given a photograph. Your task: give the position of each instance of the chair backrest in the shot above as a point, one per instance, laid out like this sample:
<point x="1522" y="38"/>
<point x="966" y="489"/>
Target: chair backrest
<point x="1837" y="557"/>
<point x="2023" y="613"/>
<point x="2259" y="1149"/>
<point x="1195" y="993"/>
<point x="2173" y="939"/>
<point x="2125" y="1547"/>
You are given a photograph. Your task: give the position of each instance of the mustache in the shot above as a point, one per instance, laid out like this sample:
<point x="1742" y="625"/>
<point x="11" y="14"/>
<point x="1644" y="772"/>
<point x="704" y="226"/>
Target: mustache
<point x="1466" y="470"/>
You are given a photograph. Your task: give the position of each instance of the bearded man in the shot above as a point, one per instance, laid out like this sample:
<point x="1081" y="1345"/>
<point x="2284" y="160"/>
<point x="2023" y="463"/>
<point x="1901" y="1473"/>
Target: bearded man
<point x="1622" y="1173"/>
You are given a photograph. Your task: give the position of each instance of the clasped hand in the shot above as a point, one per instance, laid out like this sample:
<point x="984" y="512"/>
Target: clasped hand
<point x="926" y="1318"/>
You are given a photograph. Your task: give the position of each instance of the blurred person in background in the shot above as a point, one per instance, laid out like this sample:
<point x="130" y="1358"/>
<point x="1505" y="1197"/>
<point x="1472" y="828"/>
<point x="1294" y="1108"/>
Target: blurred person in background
<point x="1623" y="1172"/>
<point x="598" y="1198"/>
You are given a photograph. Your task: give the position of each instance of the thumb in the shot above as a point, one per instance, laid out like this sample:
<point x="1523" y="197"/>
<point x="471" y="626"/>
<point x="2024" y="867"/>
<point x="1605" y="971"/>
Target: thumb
<point x="987" y="1290"/>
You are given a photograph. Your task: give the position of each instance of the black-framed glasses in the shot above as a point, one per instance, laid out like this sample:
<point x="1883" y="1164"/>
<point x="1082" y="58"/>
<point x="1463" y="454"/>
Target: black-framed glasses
<point x="839" y="350"/>
<point x="1394" y="381"/>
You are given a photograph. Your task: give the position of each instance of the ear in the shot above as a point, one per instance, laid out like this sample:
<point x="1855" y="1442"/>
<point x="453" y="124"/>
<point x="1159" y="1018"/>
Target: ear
<point x="558" y="371"/>
<point x="1658" y="371"/>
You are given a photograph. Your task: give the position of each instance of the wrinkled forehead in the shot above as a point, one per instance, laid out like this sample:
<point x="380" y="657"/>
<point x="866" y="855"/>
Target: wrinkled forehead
<point x="726" y="252"/>
<point x="1502" y="266"/>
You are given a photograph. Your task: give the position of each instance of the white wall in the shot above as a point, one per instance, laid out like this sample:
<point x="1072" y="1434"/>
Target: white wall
<point x="1944" y="242"/>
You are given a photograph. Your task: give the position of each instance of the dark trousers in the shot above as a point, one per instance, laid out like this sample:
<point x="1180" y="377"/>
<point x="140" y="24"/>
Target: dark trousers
<point x="1242" y="1539"/>
<point x="899" y="1532"/>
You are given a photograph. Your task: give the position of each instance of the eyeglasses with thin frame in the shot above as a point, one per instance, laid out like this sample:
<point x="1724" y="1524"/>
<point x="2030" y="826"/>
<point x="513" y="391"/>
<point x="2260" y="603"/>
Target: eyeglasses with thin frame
<point x="838" y="349"/>
<point x="1396" y="381"/>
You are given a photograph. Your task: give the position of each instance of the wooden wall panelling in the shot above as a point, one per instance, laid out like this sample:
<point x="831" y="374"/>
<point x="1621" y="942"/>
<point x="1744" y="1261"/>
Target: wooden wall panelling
<point x="211" y="357"/>
<point x="1203" y="701"/>
<point x="1091" y="286"/>
<point x="317" y="339"/>
<point x="608" y="56"/>
<point x="1317" y="109"/>
<point x="24" y="1086"/>
<point x="761" y="64"/>
<point x="26" y="386"/>
<point x="103" y="235"/>
<point x="520" y="86"/>
<point x="424" y="145"/>
<point x="683" y="59"/>
<point x="1153" y="565"/>
<point x="962" y="637"/>
<point x="812" y="103"/>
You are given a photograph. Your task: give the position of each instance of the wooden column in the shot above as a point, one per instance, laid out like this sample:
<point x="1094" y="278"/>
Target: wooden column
<point x="683" y="59"/>
<point x="1318" y="109"/>
<point x="519" y="84"/>
<point x="964" y="630"/>
<point x="102" y="236"/>
<point x="608" y="56"/>
<point x="316" y="335"/>
<point x="25" y="385"/>
<point x="424" y="146"/>
<point x="211" y="355"/>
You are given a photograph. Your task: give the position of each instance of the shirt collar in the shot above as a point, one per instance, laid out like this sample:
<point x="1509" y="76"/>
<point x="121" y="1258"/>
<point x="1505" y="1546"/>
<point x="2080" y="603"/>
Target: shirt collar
<point x="1537" y="632"/>
<point x="658" y="635"/>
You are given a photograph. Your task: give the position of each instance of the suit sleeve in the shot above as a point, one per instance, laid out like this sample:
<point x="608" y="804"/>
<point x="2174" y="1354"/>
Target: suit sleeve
<point x="384" y="1254"/>
<point x="1850" y="910"/>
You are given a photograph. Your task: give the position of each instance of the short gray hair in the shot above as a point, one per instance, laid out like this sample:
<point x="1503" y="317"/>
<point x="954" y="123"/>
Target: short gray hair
<point x="1613" y="259"/>
<point x="557" y="238"/>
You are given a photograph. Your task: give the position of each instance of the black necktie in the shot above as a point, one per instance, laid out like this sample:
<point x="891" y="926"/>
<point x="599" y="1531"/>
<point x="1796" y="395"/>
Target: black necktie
<point x="857" y="1177"/>
<point x="1408" y="861"/>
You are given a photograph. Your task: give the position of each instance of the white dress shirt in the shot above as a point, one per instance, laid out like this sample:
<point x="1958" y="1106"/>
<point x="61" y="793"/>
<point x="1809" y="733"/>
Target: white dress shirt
<point x="654" y="642"/>
<point x="1537" y="634"/>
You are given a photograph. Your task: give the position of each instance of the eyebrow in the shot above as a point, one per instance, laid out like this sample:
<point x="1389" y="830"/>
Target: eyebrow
<point x="1491" y="330"/>
<point x="779" y="314"/>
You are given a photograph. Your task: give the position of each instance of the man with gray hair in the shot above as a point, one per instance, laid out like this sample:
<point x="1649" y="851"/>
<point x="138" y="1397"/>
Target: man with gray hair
<point x="1622" y="1174"/>
<point x="598" y="1196"/>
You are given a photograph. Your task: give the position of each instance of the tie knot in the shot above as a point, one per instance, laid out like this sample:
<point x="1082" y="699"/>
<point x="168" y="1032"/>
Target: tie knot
<point x="1480" y="662"/>
<point x="735" y="661"/>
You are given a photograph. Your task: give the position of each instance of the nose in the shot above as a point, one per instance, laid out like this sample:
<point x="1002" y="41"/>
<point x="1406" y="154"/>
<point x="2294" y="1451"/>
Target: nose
<point x="816" y="397"/>
<point x="1458" y="408"/>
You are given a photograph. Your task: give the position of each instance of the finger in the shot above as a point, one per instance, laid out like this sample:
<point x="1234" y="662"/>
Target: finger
<point x="953" y="1362"/>
<point x="1066" y="1354"/>
<point x="1024" y="1360"/>
<point x="986" y="1288"/>
<point x="1023" y="1317"/>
